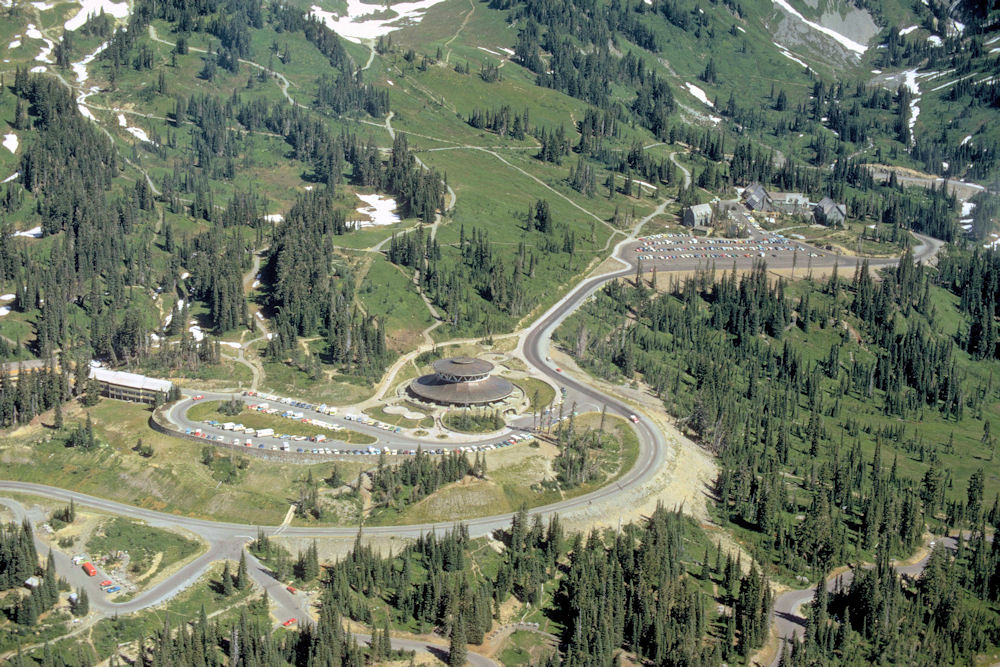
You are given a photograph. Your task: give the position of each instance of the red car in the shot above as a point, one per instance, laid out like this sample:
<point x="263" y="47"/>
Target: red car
<point x="290" y="589"/>
<point x="635" y="420"/>
<point x="198" y="397"/>
<point x="106" y="582"/>
<point x="290" y="621"/>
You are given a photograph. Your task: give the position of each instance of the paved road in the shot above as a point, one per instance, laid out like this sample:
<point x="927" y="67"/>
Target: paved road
<point x="226" y="540"/>
<point x="788" y="618"/>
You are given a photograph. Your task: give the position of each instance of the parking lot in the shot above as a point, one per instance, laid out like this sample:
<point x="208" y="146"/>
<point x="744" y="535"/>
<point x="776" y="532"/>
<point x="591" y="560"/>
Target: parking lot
<point x="676" y="251"/>
<point x="392" y="440"/>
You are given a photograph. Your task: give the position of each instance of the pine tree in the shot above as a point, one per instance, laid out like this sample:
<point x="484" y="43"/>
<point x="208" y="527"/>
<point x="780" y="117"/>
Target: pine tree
<point x="227" y="580"/>
<point x="457" y="650"/>
<point x="242" y="575"/>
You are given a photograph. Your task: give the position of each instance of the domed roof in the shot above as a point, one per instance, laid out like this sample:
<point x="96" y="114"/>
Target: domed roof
<point x="433" y="389"/>
<point x="462" y="367"/>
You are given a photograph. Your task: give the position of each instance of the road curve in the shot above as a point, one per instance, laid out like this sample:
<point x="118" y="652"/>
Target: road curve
<point x="226" y="540"/>
<point x="787" y="615"/>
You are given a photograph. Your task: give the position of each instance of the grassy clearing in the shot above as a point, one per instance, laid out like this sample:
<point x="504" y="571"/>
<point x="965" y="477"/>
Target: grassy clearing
<point x="525" y="648"/>
<point x="399" y="420"/>
<point x="287" y="380"/>
<point x="143" y="543"/>
<point x="389" y="294"/>
<point x="540" y="393"/>
<point x="209" y="410"/>
<point x="520" y="475"/>
<point x="172" y="481"/>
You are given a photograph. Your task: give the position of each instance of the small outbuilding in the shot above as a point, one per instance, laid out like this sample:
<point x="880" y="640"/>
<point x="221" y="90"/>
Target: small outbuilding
<point x="699" y="215"/>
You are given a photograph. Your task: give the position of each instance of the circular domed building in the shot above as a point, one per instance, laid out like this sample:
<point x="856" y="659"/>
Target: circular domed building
<point x="461" y="381"/>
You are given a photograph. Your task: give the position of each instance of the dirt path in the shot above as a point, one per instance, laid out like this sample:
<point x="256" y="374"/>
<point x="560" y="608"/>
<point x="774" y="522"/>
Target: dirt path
<point x="465" y="22"/>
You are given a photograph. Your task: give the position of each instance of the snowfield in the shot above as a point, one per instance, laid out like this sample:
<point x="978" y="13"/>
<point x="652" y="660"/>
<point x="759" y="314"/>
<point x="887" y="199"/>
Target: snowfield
<point x="33" y="233"/>
<point x="139" y="134"/>
<point x="34" y="33"/>
<point x="906" y="31"/>
<point x="10" y="142"/>
<point x="910" y="81"/>
<point x="700" y="94"/>
<point x="843" y="40"/>
<point x="380" y="210"/>
<point x="119" y="10"/>
<point x="80" y="68"/>
<point x="354" y="30"/>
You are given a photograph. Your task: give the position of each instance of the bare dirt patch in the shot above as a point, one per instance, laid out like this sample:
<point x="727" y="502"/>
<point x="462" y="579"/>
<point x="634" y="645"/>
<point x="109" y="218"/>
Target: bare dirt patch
<point x="682" y="481"/>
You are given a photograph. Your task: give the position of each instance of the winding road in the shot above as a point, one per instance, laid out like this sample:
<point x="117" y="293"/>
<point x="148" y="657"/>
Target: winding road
<point x="227" y="540"/>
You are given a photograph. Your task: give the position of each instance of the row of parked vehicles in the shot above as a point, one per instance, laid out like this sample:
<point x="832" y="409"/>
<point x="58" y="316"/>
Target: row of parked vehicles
<point x="322" y="407"/>
<point x="368" y="421"/>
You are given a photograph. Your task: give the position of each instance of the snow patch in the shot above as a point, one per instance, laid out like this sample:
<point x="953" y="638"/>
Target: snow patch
<point x="700" y="94"/>
<point x="14" y="43"/>
<point x="38" y="69"/>
<point x="910" y="81"/>
<point x="491" y="52"/>
<point x="785" y="52"/>
<point x="42" y="6"/>
<point x="121" y="120"/>
<point x="509" y="52"/>
<point x="844" y="40"/>
<point x="33" y="233"/>
<point x="10" y="142"/>
<point x="4" y="311"/>
<point x="34" y="33"/>
<point x="119" y="10"/>
<point x="85" y="112"/>
<point x="139" y="134"/>
<point x="967" y="139"/>
<point x="11" y="177"/>
<point x="934" y="40"/>
<point x="380" y="210"/>
<point x="255" y="285"/>
<point x="184" y="276"/>
<point x="906" y="31"/>
<point x="7" y="297"/>
<point x="197" y="333"/>
<point x="944" y="165"/>
<point x="354" y="30"/>
<point x="967" y="208"/>
<point x="274" y="217"/>
<point x="231" y="344"/>
<point x="80" y="68"/>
